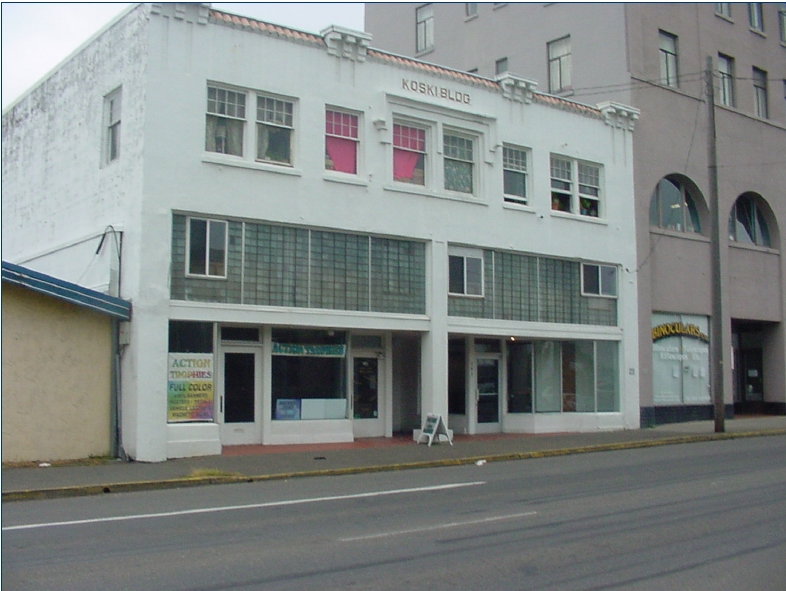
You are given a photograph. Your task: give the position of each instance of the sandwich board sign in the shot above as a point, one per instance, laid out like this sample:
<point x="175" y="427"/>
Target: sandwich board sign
<point x="433" y="427"/>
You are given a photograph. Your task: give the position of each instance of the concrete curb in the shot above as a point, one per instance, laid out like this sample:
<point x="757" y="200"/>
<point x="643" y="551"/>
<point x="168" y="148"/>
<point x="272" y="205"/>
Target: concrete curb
<point x="98" y="489"/>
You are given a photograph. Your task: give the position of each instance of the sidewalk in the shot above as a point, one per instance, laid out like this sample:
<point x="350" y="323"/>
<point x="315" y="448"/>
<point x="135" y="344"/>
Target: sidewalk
<point x="254" y="463"/>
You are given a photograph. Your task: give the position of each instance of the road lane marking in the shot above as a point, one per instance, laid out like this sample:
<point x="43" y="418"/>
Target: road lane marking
<point x="436" y="527"/>
<point x="240" y="507"/>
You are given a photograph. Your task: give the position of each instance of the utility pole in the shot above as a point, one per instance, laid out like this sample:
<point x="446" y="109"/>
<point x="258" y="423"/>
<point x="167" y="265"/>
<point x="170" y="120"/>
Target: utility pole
<point x="716" y="326"/>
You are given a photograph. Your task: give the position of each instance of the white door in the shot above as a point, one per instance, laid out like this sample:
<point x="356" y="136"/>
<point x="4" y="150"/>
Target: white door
<point x="487" y="393"/>
<point x="239" y="409"/>
<point x="367" y="396"/>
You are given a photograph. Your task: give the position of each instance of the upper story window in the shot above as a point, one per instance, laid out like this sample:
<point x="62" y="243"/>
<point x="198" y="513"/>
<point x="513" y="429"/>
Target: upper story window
<point x="723" y="9"/>
<point x="207" y="248"/>
<point x="471" y="9"/>
<point x="514" y="170"/>
<point x="559" y="64"/>
<point x="424" y="28"/>
<point x="760" y="106"/>
<point x="341" y="141"/>
<point x="226" y="119"/>
<point x="599" y="280"/>
<point x="673" y="208"/>
<point x="756" y="16"/>
<point x="459" y="160"/>
<point x="725" y="80"/>
<point x="501" y="65"/>
<point x="782" y="20"/>
<point x="465" y="272"/>
<point x="274" y="130"/>
<point x="111" y="136"/>
<point x="668" y="59"/>
<point x="409" y="154"/>
<point x="747" y="223"/>
<point x="569" y="196"/>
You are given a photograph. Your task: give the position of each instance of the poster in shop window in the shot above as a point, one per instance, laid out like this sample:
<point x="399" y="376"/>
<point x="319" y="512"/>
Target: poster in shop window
<point x="190" y="387"/>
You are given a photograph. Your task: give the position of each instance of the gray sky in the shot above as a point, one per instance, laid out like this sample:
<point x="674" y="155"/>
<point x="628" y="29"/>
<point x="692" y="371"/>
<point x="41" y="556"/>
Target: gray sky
<point x="38" y="36"/>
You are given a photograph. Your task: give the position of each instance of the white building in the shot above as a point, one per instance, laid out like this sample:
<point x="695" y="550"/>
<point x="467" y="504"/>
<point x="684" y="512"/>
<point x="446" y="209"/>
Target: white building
<point x="323" y="241"/>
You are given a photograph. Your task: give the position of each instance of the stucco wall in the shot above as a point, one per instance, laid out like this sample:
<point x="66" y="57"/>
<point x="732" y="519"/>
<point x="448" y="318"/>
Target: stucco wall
<point x="56" y="378"/>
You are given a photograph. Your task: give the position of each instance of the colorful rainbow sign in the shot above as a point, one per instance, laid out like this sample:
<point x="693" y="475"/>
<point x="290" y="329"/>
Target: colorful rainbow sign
<point x="190" y="387"/>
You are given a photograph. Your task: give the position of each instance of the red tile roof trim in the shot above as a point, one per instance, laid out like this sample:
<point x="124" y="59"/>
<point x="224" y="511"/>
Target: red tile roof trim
<point x="224" y="18"/>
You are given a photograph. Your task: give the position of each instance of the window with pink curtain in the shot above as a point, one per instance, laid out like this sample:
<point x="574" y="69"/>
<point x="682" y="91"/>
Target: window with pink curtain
<point x="409" y="154"/>
<point x="341" y="141"/>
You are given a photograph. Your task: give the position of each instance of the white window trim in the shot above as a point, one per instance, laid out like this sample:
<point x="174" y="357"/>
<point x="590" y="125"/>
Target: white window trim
<point x="666" y="78"/>
<point x="476" y="147"/>
<point x="248" y="159"/>
<point x="207" y="249"/>
<point x="600" y="293"/>
<point x="468" y="253"/>
<point x="348" y="177"/>
<point x="575" y="193"/>
<point x="516" y="199"/>
<point x="113" y="105"/>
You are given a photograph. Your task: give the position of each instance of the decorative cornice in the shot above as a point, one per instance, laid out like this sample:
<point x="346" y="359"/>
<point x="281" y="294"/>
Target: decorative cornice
<point x="619" y="115"/>
<point x="515" y="88"/>
<point x="346" y="43"/>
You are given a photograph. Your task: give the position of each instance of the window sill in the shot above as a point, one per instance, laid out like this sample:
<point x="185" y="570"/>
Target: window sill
<point x="241" y="163"/>
<point x="424" y="52"/>
<point x="466" y="296"/>
<point x="679" y="234"/>
<point x="425" y="192"/>
<point x="471" y="17"/>
<point x="518" y="206"/>
<point x="208" y="277"/>
<point x="728" y="19"/>
<point x="753" y="247"/>
<point x="345" y="178"/>
<point x="581" y="218"/>
<point x="758" y="32"/>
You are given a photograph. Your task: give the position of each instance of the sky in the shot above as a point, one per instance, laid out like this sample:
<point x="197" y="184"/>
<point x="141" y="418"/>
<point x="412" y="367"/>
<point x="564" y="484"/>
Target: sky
<point x="38" y="36"/>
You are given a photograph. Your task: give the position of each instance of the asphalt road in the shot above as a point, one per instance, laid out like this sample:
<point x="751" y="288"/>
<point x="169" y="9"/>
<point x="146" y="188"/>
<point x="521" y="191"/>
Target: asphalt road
<point x="703" y="516"/>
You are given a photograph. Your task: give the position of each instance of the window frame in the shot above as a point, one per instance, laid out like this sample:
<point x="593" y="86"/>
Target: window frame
<point x="756" y="17"/>
<point x="560" y="66"/>
<point x="723" y="9"/>
<point x="757" y="230"/>
<point x="465" y="254"/>
<point x="760" y="99"/>
<point x="726" y="90"/>
<point x="581" y="202"/>
<point x="188" y="261"/>
<point x="456" y="157"/>
<point x="112" y="118"/>
<point x="669" y="60"/>
<point x="288" y="123"/>
<point x="424" y="28"/>
<point x="470" y="9"/>
<point x="424" y="158"/>
<point x="688" y="208"/>
<point x="356" y="140"/>
<point x="598" y="270"/>
<point x="216" y="114"/>
<point x="512" y="165"/>
<point x="782" y="21"/>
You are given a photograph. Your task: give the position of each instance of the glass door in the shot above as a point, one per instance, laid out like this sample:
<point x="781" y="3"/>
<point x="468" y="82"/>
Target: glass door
<point x="239" y="409"/>
<point x="367" y="400"/>
<point x="487" y="395"/>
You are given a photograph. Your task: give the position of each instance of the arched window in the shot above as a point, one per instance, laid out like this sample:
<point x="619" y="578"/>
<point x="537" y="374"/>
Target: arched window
<point x="673" y="208"/>
<point x="747" y="223"/>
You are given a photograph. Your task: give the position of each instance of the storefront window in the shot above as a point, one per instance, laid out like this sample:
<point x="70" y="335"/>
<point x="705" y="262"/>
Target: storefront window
<point x="309" y="375"/>
<point x="190" y="372"/>
<point x="680" y="359"/>
<point x="519" y="377"/>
